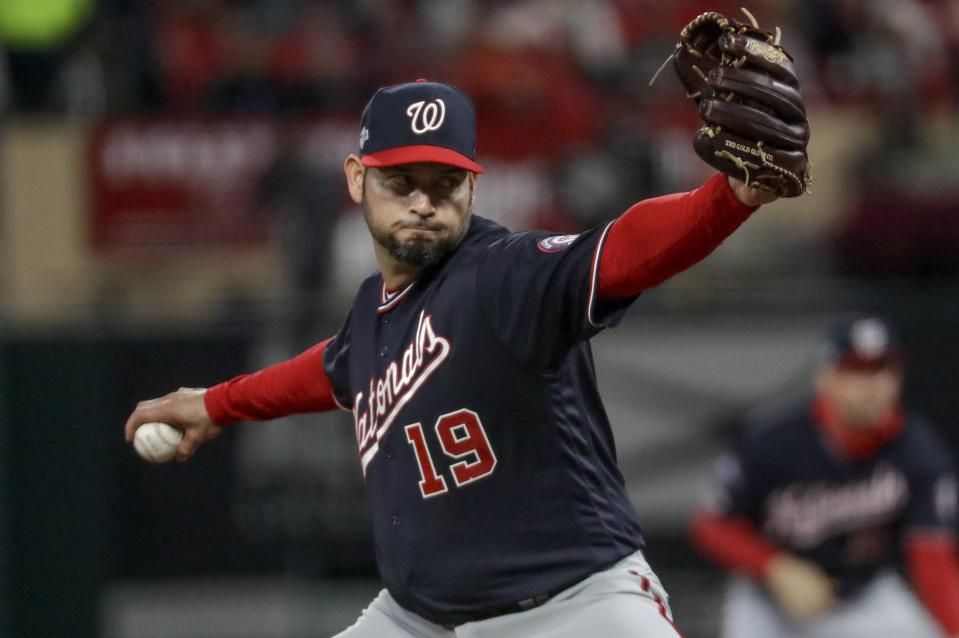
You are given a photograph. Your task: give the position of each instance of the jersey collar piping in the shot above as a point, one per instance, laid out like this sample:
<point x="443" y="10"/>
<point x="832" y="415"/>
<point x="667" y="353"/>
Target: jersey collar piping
<point x="389" y="300"/>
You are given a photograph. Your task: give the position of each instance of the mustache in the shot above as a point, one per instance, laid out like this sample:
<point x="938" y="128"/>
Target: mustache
<point x="420" y="225"/>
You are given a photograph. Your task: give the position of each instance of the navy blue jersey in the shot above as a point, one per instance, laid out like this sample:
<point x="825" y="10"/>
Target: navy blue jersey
<point x="848" y="516"/>
<point x="488" y="457"/>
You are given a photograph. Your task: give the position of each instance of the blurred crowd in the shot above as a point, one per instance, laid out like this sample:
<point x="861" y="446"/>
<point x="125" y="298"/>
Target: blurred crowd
<point x="563" y="79"/>
<point x="268" y="56"/>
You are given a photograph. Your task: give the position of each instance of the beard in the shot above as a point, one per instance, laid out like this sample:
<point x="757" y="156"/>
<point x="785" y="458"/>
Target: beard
<point x="418" y="250"/>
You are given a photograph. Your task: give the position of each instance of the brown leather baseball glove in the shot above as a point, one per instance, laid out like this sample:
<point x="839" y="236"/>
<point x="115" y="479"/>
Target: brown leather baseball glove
<point x="750" y="100"/>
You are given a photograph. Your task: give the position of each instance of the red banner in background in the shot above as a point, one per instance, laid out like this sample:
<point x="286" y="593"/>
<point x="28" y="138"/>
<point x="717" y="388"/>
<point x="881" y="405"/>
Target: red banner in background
<point x="189" y="183"/>
<point x="204" y="183"/>
<point x="178" y="183"/>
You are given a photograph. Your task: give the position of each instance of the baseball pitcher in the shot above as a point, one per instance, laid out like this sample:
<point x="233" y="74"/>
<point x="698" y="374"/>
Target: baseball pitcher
<point x="498" y="509"/>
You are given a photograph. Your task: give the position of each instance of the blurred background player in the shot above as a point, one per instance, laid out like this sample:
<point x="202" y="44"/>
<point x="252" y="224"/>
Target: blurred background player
<point x="810" y="509"/>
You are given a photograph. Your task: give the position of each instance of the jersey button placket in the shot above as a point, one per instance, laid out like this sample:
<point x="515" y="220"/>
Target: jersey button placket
<point x="384" y="351"/>
<point x="396" y="520"/>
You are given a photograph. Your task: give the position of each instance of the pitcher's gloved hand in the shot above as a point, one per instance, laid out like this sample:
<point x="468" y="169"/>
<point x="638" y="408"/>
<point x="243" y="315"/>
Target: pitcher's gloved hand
<point x="755" y="127"/>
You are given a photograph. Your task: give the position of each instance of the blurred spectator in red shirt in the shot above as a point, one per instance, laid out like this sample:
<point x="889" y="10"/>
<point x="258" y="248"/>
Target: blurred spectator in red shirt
<point x="190" y="48"/>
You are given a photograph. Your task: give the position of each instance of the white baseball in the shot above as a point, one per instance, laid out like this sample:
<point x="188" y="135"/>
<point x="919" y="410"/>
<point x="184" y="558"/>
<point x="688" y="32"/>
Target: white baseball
<point x="156" y="442"/>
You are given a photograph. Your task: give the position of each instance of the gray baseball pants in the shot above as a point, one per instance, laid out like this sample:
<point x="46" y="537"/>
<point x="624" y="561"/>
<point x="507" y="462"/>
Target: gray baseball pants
<point x="886" y="607"/>
<point x="625" y="601"/>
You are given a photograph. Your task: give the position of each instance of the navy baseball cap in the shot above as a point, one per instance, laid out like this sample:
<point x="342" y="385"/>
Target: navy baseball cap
<point x="861" y="343"/>
<point x="419" y="121"/>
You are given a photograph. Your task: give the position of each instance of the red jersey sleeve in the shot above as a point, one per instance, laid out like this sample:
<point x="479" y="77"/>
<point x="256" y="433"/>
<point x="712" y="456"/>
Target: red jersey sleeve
<point x="934" y="571"/>
<point x="291" y="387"/>
<point x="660" y="237"/>
<point x="732" y="543"/>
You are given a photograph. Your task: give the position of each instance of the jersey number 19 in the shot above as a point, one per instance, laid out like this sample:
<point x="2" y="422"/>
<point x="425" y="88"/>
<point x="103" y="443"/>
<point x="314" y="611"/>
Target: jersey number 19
<point x="462" y="437"/>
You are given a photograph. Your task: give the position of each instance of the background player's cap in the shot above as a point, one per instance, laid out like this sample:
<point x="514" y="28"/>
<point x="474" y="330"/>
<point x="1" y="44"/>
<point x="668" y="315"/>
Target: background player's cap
<point x="861" y="343"/>
<point x="419" y="122"/>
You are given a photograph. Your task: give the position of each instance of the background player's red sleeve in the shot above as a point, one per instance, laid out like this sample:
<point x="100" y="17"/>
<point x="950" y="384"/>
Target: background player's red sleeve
<point x="292" y="387"/>
<point x="933" y="567"/>
<point x="732" y="542"/>
<point x="662" y="236"/>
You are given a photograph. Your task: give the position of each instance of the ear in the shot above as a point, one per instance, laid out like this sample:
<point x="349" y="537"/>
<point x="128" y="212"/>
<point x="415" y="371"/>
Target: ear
<point x="355" y="171"/>
<point x="472" y="180"/>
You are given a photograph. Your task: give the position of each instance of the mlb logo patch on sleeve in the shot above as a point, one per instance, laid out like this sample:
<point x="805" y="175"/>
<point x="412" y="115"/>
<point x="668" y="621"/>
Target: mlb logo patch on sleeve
<point x="556" y="243"/>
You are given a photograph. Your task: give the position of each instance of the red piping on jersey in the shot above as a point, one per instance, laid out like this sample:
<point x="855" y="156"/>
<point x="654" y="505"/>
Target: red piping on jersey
<point x="593" y="274"/>
<point x="855" y="442"/>
<point x="933" y="566"/>
<point x="732" y="542"/>
<point x="291" y="387"/>
<point x="660" y="237"/>
<point x="391" y="299"/>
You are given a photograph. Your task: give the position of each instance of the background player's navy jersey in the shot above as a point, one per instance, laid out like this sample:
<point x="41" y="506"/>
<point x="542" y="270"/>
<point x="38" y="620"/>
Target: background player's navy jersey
<point x="488" y="456"/>
<point x="848" y="516"/>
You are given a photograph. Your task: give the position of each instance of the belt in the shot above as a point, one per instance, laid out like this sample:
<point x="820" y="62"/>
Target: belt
<point x="511" y="608"/>
<point x="521" y="605"/>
